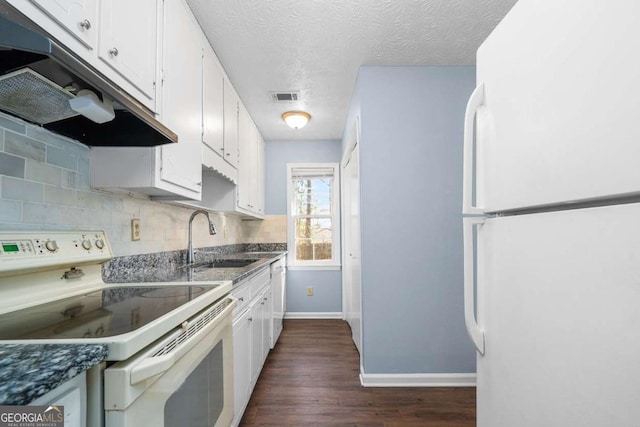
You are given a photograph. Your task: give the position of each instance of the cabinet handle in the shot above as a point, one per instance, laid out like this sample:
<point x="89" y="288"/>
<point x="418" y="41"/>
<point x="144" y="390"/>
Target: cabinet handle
<point x="250" y="319"/>
<point x="85" y="24"/>
<point x="113" y="52"/>
<point x="264" y="299"/>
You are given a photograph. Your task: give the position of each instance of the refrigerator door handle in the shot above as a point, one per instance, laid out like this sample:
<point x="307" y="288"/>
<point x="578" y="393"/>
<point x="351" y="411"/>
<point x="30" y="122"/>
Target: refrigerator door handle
<point x="475" y="101"/>
<point x="473" y="329"/>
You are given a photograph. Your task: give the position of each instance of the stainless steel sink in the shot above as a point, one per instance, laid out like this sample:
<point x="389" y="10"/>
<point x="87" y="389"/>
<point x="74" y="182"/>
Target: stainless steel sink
<point x="229" y="263"/>
<point x="224" y="263"/>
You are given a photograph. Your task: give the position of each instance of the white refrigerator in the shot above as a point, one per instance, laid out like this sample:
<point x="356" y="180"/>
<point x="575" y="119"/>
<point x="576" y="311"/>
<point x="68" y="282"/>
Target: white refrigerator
<point x="552" y="216"/>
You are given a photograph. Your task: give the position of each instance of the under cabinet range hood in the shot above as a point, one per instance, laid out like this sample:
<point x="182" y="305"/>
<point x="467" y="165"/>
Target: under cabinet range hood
<point x="44" y="83"/>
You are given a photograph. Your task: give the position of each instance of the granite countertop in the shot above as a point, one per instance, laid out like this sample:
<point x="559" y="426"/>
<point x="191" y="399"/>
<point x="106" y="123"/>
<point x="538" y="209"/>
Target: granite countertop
<point x="155" y="270"/>
<point x="238" y="274"/>
<point x="28" y="371"/>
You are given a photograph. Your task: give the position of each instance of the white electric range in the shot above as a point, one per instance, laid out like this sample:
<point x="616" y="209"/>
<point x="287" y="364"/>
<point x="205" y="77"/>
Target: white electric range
<point x="52" y="292"/>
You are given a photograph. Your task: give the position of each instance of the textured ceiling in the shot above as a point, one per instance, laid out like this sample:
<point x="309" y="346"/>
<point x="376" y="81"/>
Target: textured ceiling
<point x="316" y="47"/>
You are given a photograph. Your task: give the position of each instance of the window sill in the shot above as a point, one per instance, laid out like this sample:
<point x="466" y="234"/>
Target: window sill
<point x="313" y="267"/>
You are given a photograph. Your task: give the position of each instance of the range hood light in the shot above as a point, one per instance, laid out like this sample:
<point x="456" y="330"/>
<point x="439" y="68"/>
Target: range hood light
<point x="89" y="105"/>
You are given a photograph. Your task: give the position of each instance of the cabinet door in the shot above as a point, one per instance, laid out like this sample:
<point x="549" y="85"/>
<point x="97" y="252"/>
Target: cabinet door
<point x="266" y="324"/>
<point x="257" y="310"/>
<point x="260" y="174"/>
<point x="246" y="135"/>
<point x="277" y="299"/>
<point x="241" y="363"/>
<point x="78" y="17"/>
<point x="230" y="124"/>
<point x="128" y="40"/>
<point x="212" y="102"/>
<point x="253" y="168"/>
<point x="182" y="99"/>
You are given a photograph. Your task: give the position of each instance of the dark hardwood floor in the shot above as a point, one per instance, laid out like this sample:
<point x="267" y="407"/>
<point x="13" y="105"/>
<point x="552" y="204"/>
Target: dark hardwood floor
<point x="311" y="379"/>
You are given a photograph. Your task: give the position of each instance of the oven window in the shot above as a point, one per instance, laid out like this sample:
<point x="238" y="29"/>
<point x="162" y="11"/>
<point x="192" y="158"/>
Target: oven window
<point x="199" y="401"/>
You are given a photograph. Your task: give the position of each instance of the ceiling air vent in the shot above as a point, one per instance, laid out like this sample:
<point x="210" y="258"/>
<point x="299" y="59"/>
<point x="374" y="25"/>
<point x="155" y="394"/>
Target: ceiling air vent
<point x="284" y="96"/>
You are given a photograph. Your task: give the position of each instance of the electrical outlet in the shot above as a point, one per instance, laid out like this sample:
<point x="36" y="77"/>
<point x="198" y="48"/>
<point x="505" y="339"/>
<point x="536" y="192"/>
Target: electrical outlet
<point x="310" y="291"/>
<point x="135" y="229"/>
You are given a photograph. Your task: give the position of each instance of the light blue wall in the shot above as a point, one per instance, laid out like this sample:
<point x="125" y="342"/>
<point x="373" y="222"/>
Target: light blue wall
<point x="411" y="182"/>
<point x="327" y="291"/>
<point x="327" y="284"/>
<point x="278" y="153"/>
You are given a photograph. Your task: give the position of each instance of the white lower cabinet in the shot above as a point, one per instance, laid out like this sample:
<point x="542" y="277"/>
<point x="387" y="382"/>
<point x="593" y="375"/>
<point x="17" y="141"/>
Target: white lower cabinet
<point x="241" y="363"/>
<point x="257" y="322"/>
<point x="278" y="300"/>
<point x="251" y="336"/>
<point x="266" y="324"/>
<point x="73" y="396"/>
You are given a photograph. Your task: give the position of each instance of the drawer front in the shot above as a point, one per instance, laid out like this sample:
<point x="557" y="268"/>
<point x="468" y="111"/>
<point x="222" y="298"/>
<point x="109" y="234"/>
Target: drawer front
<point x="243" y="295"/>
<point x="259" y="282"/>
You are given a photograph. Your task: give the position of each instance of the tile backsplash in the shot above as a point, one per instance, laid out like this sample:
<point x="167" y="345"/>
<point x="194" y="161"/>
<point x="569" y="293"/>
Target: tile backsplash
<point x="45" y="184"/>
<point x="272" y="229"/>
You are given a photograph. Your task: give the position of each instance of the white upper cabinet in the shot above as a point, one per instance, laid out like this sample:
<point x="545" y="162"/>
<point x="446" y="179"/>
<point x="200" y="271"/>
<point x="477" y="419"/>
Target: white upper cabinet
<point x="260" y="186"/>
<point x="156" y="51"/>
<point x="212" y="102"/>
<point x="128" y="40"/>
<point x="182" y="99"/>
<point x="215" y="154"/>
<point x="78" y="17"/>
<point x="231" y="131"/>
<point x="245" y="139"/>
<point x="172" y="171"/>
<point x="251" y="167"/>
<point x="118" y="38"/>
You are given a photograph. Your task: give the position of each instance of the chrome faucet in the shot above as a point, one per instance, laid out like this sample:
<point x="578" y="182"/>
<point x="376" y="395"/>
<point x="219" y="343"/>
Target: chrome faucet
<point x="212" y="231"/>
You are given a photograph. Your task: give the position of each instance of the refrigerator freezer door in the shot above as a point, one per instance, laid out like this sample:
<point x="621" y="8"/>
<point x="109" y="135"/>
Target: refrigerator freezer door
<point x="559" y="301"/>
<point x="561" y="104"/>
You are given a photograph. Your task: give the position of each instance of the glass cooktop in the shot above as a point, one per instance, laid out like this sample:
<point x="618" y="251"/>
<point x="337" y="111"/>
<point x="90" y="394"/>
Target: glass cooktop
<point x="105" y="313"/>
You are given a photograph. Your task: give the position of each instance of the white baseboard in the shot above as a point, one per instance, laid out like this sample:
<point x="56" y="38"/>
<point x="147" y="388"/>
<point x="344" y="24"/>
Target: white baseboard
<point x="418" y="380"/>
<point x="312" y="315"/>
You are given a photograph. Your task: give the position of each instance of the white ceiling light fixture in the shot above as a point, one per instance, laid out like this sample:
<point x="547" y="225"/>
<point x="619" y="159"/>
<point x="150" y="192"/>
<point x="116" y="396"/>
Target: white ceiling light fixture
<point x="296" y="119"/>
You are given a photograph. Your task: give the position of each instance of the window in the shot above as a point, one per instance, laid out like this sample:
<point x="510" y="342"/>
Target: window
<point x="313" y="221"/>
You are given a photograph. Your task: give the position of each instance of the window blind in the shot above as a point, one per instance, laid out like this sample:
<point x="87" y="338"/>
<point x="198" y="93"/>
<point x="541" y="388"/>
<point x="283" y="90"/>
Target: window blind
<point x="306" y="173"/>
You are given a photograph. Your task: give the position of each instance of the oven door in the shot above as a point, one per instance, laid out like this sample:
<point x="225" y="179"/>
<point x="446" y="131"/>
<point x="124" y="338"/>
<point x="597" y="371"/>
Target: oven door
<point x="184" y="380"/>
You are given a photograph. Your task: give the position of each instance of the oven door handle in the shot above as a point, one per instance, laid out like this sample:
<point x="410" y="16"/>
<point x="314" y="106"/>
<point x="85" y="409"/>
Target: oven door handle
<point x="154" y="365"/>
<point x="151" y="367"/>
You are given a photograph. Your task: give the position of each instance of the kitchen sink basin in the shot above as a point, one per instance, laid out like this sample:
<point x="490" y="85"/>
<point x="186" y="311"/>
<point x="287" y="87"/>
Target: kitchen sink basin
<point x="225" y="263"/>
<point x="229" y="263"/>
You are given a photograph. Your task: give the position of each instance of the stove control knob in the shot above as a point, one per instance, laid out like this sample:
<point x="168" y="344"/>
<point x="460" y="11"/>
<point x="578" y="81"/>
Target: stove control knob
<point x="86" y="244"/>
<point x="51" y="245"/>
<point x="100" y="244"/>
